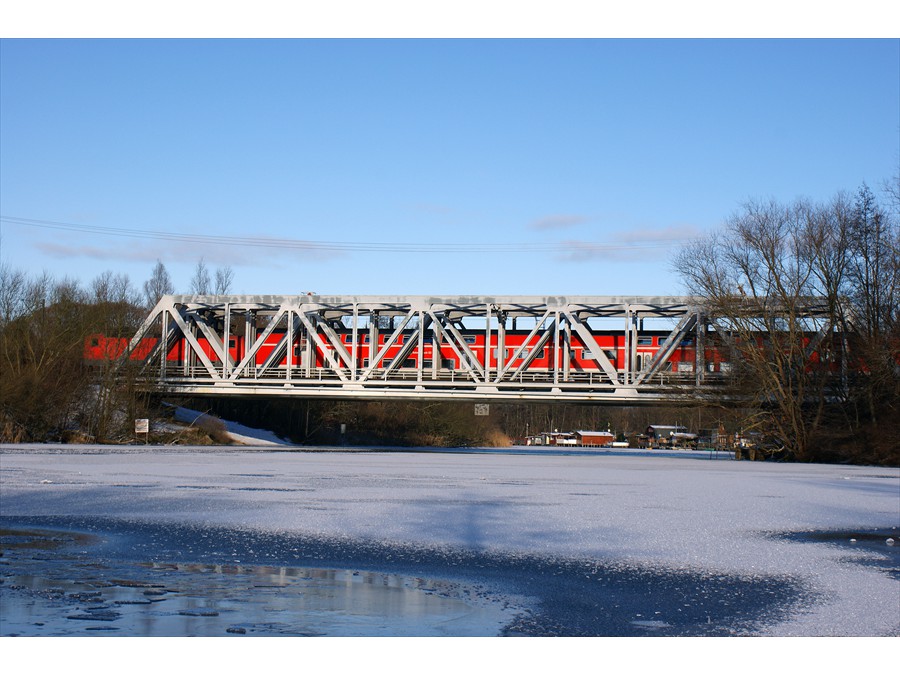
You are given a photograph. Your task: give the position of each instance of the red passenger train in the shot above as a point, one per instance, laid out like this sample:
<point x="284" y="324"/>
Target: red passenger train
<point x="575" y="355"/>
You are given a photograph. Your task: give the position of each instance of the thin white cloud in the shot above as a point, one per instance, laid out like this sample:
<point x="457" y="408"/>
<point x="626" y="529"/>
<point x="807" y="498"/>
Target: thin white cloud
<point x="557" y="222"/>
<point x="236" y="256"/>
<point x="660" y="234"/>
<point x="630" y="245"/>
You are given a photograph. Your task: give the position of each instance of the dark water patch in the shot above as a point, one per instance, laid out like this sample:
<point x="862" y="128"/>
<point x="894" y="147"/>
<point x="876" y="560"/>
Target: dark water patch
<point x="84" y="597"/>
<point x="570" y="597"/>
<point x="130" y="583"/>
<point x="43" y="598"/>
<point x="95" y="616"/>
<point x="41" y="540"/>
<point x="194" y="612"/>
<point x="880" y="548"/>
<point x="270" y="489"/>
<point x="245" y="489"/>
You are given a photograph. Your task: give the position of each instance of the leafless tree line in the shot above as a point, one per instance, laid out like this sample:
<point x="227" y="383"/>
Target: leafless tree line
<point x="806" y="296"/>
<point x="160" y="283"/>
<point x="47" y="392"/>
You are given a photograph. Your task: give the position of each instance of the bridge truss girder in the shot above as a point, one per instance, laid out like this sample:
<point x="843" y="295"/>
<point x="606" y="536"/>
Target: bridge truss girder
<point x="311" y="324"/>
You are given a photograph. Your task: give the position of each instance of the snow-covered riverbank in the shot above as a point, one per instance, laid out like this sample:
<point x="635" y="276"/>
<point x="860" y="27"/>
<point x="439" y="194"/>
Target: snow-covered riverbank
<point x="672" y="513"/>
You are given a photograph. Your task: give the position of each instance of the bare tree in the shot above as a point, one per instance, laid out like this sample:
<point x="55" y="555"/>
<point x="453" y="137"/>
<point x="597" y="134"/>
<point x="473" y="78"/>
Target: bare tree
<point x="12" y="285"/>
<point x="158" y="285"/>
<point x="806" y="298"/>
<point x="873" y="267"/>
<point x="224" y="277"/>
<point x="892" y="190"/>
<point x="48" y="390"/>
<point x="200" y="282"/>
<point x="114" y="313"/>
<point x="108" y="287"/>
<point x="873" y="272"/>
<point x="758" y="279"/>
<point x="44" y="384"/>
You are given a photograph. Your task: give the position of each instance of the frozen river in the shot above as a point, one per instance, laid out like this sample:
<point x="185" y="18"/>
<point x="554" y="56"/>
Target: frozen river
<point x="156" y="541"/>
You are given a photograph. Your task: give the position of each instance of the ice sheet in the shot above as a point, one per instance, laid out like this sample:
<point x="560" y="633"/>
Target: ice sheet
<point x="677" y="512"/>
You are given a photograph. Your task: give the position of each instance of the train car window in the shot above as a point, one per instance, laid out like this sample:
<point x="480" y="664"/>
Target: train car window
<point x="645" y="341"/>
<point x="470" y="339"/>
<point x="409" y="363"/>
<point x="687" y="342"/>
<point x="95" y="342"/>
<point x="232" y="342"/>
<point x="610" y="354"/>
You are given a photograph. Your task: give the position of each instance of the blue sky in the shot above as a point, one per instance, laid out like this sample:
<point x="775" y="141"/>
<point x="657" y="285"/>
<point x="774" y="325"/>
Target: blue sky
<point x="506" y="161"/>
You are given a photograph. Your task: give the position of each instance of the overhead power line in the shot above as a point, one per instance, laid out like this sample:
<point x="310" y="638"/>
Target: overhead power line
<point x="374" y="247"/>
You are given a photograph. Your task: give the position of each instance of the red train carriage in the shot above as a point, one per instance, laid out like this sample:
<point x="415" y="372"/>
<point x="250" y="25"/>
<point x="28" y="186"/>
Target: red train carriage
<point x="542" y="356"/>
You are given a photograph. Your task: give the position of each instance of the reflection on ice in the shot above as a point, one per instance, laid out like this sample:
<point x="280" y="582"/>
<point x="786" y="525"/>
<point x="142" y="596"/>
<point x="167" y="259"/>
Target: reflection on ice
<point x="49" y="595"/>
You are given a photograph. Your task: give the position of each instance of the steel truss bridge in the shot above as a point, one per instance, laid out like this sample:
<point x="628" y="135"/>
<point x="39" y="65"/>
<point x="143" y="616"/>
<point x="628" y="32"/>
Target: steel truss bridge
<point x="241" y="346"/>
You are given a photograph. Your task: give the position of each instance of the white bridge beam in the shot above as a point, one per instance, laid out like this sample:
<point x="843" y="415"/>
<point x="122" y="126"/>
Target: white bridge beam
<point x="481" y="348"/>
